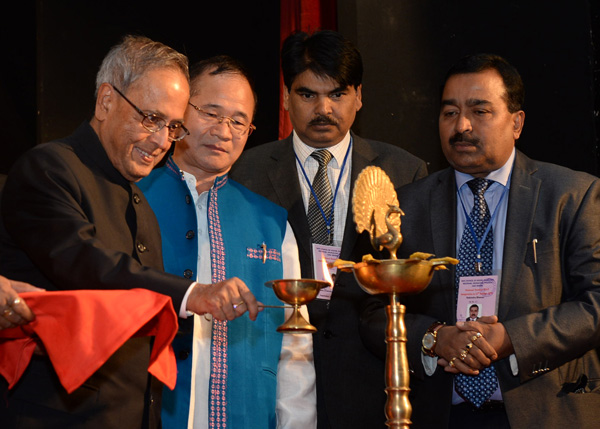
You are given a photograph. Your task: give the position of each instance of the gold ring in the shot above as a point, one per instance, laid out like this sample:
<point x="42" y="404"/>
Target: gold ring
<point x="239" y="304"/>
<point x="476" y="336"/>
<point x="463" y="354"/>
<point x="16" y="301"/>
<point x="451" y="363"/>
<point x="8" y="312"/>
<point x="469" y="346"/>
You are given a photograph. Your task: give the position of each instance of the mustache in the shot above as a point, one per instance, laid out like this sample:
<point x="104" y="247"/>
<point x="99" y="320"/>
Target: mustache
<point x="462" y="137"/>
<point x="322" y="120"/>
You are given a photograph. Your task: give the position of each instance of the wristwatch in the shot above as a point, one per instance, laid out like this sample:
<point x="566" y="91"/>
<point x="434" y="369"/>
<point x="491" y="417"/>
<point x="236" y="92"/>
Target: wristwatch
<point x="430" y="339"/>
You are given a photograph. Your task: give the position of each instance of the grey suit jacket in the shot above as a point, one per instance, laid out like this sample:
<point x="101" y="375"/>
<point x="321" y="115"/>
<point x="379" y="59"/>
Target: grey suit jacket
<point x="350" y="379"/>
<point x="549" y="304"/>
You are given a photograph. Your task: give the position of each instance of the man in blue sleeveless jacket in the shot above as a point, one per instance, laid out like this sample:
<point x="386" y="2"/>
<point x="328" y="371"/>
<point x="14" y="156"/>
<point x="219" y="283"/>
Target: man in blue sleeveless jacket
<point x="231" y="373"/>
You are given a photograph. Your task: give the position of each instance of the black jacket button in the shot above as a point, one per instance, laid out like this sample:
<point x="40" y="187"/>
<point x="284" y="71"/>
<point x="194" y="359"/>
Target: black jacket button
<point x="188" y="274"/>
<point x="190" y="234"/>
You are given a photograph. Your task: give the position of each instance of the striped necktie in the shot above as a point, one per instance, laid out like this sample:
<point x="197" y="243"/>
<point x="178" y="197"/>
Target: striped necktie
<point x="321" y="234"/>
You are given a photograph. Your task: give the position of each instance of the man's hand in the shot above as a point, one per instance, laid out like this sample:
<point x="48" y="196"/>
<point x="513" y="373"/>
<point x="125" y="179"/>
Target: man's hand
<point x="464" y="348"/>
<point x="225" y="300"/>
<point x="471" y="346"/>
<point x="13" y="310"/>
<point x="495" y="334"/>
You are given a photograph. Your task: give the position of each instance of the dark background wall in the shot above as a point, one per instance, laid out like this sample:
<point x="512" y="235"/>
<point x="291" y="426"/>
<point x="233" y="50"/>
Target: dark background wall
<point x="51" y="58"/>
<point x="408" y="46"/>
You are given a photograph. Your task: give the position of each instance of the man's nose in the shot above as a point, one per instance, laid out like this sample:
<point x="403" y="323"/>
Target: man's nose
<point x="463" y="124"/>
<point x="324" y="106"/>
<point x="161" y="138"/>
<point x="222" y="128"/>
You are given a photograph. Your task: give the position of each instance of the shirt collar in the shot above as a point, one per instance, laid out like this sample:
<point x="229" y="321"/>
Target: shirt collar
<point x="338" y="150"/>
<point x="501" y="175"/>
<point x="190" y="180"/>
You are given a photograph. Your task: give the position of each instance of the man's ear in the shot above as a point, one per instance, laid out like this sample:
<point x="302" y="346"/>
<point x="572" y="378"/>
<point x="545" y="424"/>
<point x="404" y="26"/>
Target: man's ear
<point x="286" y="97"/>
<point x="518" y="122"/>
<point x="358" y="97"/>
<point x="104" y="101"/>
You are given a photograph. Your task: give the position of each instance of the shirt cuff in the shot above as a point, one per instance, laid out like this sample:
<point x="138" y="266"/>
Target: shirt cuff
<point x="429" y="364"/>
<point x="183" y="312"/>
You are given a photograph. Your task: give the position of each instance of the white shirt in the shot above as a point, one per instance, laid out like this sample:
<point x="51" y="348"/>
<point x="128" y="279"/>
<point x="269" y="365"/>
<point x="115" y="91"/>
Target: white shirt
<point x="296" y="385"/>
<point x="334" y="168"/>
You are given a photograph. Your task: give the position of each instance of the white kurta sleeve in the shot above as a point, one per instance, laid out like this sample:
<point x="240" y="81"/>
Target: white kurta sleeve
<point x="296" y="384"/>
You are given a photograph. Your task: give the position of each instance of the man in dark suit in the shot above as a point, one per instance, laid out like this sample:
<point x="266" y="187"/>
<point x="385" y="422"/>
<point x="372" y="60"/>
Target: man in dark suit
<point x="76" y="220"/>
<point x="535" y="363"/>
<point x="322" y="76"/>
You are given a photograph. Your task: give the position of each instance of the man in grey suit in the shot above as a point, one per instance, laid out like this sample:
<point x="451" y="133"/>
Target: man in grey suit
<point x="322" y="76"/>
<point x="540" y="345"/>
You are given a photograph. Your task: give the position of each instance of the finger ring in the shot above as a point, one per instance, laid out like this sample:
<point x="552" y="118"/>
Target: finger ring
<point x="476" y="336"/>
<point x="451" y="363"/>
<point x="239" y="304"/>
<point x="463" y="354"/>
<point x="7" y="312"/>
<point x="468" y="346"/>
<point x="16" y="301"/>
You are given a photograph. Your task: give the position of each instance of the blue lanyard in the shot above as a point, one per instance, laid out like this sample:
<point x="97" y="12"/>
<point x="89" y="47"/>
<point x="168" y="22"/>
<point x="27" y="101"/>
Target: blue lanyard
<point x="337" y="186"/>
<point x="479" y="244"/>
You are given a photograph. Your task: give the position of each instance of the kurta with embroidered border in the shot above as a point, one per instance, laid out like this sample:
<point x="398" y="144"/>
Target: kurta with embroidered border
<point x="238" y="223"/>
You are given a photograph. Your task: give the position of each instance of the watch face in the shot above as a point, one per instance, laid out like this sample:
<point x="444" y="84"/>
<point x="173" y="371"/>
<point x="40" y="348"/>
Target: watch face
<point x="428" y="341"/>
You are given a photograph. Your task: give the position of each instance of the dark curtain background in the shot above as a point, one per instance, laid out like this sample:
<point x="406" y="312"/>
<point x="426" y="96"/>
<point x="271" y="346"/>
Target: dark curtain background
<point x="408" y="46"/>
<point x="54" y="48"/>
<point x="54" y="51"/>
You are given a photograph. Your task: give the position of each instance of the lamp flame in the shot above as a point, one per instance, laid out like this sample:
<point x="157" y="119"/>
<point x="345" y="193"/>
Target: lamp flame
<point x="326" y="273"/>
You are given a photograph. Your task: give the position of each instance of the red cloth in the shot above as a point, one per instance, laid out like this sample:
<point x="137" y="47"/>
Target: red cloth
<point x="81" y="329"/>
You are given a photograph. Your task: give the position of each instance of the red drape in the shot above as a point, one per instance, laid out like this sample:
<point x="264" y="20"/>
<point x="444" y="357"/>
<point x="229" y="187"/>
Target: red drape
<point x="302" y="15"/>
<point x="86" y="327"/>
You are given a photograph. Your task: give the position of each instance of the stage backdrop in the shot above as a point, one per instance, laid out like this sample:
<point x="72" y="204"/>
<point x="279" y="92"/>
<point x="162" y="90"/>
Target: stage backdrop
<point x="51" y="58"/>
<point x="408" y="46"/>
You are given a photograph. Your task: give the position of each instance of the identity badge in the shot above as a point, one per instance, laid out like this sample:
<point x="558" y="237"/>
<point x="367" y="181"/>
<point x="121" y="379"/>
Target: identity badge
<point x="476" y="297"/>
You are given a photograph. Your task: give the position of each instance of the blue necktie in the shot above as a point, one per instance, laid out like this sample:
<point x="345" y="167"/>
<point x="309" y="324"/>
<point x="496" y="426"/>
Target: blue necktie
<point x="476" y="389"/>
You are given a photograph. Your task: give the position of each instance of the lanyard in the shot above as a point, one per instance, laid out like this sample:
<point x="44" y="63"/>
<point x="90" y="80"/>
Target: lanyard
<point x="479" y="244"/>
<point x="337" y="186"/>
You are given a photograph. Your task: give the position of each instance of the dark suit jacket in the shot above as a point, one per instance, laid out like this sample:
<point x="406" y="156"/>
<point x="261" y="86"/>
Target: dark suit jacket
<point x="550" y="308"/>
<point x="350" y="379"/>
<point x="74" y="222"/>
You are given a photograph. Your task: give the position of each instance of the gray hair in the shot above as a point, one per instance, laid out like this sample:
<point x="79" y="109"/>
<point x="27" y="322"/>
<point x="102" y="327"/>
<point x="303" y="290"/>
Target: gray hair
<point x="133" y="57"/>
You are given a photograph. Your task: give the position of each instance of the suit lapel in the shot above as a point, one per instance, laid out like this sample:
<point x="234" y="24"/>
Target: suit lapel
<point x="284" y="179"/>
<point x="362" y="156"/>
<point x="442" y="201"/>
<point x="522" y="203"/>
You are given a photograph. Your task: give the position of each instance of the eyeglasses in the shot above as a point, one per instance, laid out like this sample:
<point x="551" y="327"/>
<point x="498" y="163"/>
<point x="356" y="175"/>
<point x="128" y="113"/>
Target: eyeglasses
<point x="155" y="123"/>
<point x="236" y="126"/>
